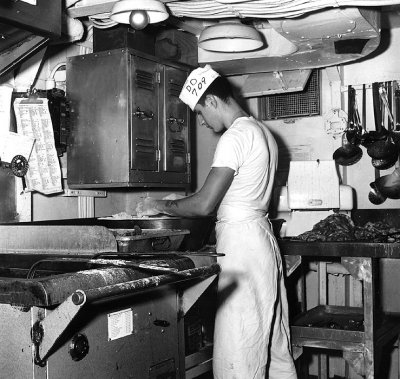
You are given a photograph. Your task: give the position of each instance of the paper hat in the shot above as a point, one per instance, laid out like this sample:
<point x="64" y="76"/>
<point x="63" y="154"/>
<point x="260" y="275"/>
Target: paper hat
<point x="196" y="83"/>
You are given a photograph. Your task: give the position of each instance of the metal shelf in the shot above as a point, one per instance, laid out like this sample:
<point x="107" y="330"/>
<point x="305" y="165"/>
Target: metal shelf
<point x="361" y="347"/>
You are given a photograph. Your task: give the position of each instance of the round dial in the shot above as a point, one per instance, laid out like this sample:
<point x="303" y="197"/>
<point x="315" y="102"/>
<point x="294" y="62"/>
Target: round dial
<point x="19" y="165"/>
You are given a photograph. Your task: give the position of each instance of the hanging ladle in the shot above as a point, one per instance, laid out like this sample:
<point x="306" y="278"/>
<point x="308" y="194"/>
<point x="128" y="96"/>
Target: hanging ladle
<point x="391" y="155"/>
<point x="367" y="138"/>
<point x="384" y="163"/>
<point x="396" y="124"/>
<point x="354" y="129"/>
<point x="349" y="153"/>
<point x="384" y="152"/>
<point x="389" y="185"/>
<point x="375" y="196"/>
<point x="379" y="133"/>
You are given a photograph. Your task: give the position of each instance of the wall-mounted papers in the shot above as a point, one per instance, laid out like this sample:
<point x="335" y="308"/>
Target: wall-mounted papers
<point x="33" y="120"/>
<point x="12" y="144"/>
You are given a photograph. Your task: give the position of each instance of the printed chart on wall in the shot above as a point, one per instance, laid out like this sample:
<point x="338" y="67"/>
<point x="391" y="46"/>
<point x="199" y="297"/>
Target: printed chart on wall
<point x="33" y="120"/>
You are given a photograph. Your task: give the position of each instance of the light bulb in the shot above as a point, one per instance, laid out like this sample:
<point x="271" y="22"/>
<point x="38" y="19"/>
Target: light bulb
<point x="139" y="19"/>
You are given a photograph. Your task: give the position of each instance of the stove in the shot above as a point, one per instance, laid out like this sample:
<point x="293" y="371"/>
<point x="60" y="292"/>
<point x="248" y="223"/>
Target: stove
<point x="92" y="301"/>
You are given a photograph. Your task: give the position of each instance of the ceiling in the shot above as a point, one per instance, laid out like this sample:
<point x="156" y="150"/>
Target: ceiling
<point x="194" y="15"/>
<point x="337" y="34"/>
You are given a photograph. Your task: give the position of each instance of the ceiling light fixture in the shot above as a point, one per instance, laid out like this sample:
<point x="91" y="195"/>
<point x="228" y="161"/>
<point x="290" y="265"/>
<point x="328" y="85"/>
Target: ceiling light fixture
<point x="138" y="13"/>
<point x="229" y="37"/>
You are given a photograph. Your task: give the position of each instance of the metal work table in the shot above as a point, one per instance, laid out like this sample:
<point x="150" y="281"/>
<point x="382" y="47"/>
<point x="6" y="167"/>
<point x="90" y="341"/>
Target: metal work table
<point x="360" y="346"/>
<point x="339" y="249"/>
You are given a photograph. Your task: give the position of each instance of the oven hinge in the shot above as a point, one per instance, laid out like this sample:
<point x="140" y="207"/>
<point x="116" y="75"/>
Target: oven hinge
<point x="158" y="155"/>
<point x="158" y="76"/>
<point x="47" y="328"/>
<point x="188" y="158"/>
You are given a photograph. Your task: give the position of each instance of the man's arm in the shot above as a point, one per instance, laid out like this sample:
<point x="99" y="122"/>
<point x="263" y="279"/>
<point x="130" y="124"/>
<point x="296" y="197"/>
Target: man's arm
<point x="202" y="203"/>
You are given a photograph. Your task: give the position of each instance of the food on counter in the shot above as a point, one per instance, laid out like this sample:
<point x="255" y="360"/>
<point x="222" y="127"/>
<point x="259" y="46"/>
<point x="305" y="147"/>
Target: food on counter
<point x="119" y="216"/>
<point x="340" y="227"/>
<point x="336" y="227"/>
<point x="127" y="216"/>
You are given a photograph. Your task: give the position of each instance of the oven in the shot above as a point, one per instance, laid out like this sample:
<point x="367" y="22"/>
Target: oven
<point x="90" y="300"/>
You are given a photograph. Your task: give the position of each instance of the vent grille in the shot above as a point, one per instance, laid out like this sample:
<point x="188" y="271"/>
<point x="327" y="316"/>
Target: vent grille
<point x="144" y="79"/>
<point x="174" y="89"/>
<point x="145" y="146"/>
<point x="297" y="104"/>
<point x="177" y="146"/>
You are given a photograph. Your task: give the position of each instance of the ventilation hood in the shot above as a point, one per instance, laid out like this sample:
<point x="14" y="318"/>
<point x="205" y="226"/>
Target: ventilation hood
<point x="292" y="46"/>
<point x="296" y="37"/>
<point x="324" y="38"/>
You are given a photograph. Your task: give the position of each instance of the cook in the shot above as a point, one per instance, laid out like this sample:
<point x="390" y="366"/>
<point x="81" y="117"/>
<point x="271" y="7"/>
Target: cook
<point x="251" y="337"/>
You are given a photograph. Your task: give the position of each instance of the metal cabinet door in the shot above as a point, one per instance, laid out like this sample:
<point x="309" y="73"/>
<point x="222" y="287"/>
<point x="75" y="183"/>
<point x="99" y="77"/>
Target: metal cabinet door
<point x="98" y="93"/>
<point x="144" y="114"/>
<point x="176" y="121"/>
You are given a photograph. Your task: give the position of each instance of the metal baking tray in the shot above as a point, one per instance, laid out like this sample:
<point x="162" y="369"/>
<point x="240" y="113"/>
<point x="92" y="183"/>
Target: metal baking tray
<point x="148" y="240"/>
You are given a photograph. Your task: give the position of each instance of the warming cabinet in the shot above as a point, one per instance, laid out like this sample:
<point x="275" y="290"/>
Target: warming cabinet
<point x="128" y="126"/>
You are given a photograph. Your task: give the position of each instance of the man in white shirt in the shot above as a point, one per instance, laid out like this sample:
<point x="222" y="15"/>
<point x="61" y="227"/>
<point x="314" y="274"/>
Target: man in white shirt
<point x="251" y="338"/>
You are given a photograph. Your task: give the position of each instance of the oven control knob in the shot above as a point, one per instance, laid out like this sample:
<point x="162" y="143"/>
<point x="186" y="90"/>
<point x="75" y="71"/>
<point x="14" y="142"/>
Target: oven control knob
<point x="79" y="347"/>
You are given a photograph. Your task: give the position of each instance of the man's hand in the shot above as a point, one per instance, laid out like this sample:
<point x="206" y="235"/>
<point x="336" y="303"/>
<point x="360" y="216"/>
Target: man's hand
<point x="148" y="207"/>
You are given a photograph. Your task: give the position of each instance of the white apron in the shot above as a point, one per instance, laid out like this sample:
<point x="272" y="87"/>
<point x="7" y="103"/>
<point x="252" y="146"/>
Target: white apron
<point x="251" y="326"/>
<point x="252" y="301"/>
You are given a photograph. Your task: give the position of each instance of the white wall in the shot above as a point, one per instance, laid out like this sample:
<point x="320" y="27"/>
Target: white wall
<point x="308" y="134"/>
<point x="298" y="138"/>
<point x="384" y="65"/>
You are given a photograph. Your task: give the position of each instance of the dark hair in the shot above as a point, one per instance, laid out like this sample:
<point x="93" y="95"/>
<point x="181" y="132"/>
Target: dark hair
<point x="220" y="87"/>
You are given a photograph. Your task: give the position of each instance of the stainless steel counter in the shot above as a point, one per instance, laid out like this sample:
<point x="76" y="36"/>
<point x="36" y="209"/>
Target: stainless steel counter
<point x="340" y="249"/>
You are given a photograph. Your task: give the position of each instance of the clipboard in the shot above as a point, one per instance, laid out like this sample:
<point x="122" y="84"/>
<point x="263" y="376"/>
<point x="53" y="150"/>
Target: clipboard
<point x="31" y="101"/>
<point x="32" y="98"/>
<point x="34" y="120"/>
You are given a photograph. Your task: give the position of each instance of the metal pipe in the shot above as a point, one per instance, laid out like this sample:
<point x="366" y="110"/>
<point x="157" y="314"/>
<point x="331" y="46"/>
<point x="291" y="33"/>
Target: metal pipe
<point x="134" y="286"/>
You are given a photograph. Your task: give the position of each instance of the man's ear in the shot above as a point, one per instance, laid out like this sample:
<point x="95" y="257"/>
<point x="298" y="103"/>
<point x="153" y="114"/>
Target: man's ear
<point x="210" y="101"/>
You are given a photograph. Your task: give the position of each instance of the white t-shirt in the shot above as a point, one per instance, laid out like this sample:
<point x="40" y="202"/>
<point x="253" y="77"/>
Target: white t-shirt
<point x="249" y="149"/>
